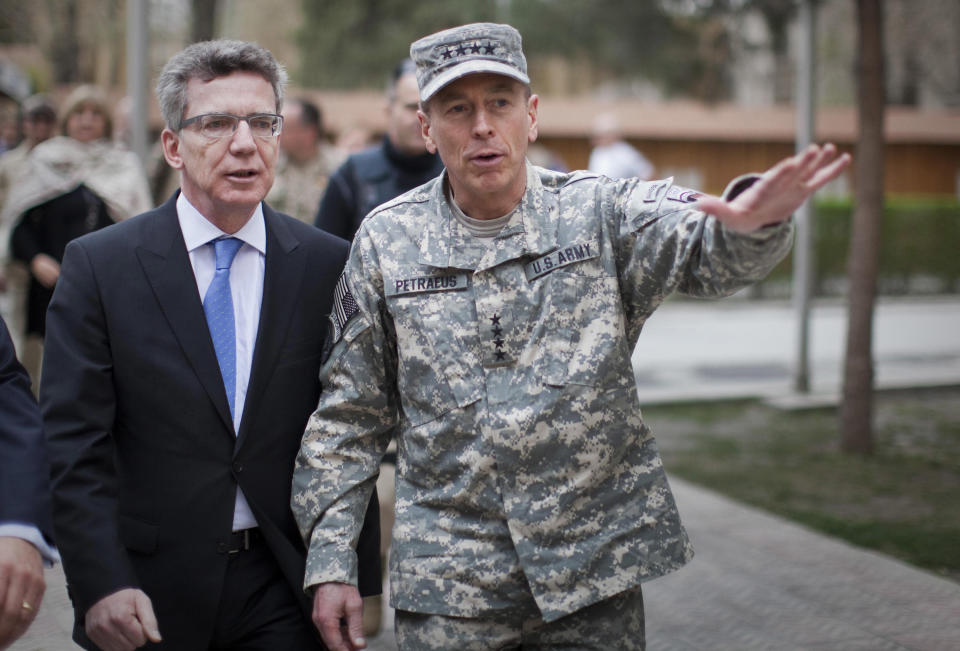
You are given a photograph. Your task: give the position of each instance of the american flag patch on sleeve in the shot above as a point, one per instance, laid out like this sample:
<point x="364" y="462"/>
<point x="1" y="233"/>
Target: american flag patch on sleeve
<point x="344" y="307"/>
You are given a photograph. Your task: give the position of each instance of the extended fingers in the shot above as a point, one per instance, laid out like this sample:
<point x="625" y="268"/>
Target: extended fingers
<point x="713" y="205"/>
<point x="823" y="166"/>
<point x="829" y="172"/>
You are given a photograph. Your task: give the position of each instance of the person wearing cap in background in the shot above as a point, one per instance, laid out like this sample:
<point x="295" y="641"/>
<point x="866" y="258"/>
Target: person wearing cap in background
<point x="489" y="317"/>
<point x="305" y="163"/>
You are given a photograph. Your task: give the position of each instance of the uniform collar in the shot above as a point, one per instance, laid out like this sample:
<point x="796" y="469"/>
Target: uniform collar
<point x="447" y="243"/>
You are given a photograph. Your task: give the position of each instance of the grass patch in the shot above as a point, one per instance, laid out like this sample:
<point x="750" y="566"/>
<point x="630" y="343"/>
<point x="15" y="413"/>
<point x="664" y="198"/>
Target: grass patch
<point x="904" y="500"/>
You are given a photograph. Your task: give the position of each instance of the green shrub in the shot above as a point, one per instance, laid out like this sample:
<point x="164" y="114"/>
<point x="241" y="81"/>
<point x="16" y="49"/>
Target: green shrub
<point x="919" y="241"/>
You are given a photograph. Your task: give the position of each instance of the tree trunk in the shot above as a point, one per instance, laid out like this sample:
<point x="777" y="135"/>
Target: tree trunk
<point x="856" y="412"/>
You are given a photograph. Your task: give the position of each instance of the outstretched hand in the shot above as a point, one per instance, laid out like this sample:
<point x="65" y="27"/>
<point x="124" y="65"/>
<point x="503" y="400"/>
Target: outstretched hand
<point x="779" y="191"/>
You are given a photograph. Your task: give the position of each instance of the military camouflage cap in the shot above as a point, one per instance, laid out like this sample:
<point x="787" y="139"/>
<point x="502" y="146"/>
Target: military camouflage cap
<point x="453" y="53"/>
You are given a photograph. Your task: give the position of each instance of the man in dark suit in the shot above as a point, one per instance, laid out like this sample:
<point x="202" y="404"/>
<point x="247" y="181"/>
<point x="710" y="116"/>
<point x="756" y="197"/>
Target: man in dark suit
<point x="25" y="527"/>
<point x="183" y="349"/>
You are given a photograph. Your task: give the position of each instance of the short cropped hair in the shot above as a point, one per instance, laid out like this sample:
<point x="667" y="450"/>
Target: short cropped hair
<point x="38" y="108"/>
<point x="208" y="60"/>
<point x="86" y="95"/>
<point x="405" y="67"/>
<point x="310" y="114"/>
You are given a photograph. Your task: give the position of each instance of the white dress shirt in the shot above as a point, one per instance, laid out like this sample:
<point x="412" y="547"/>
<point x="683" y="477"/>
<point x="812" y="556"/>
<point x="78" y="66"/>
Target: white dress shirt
<point x="246" y="290"/>
<point x="32" y="535"/>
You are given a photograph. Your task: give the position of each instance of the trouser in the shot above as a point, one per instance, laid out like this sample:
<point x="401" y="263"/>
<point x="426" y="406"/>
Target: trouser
<point x="258" y="609"/>
<point x="615" y="623"/>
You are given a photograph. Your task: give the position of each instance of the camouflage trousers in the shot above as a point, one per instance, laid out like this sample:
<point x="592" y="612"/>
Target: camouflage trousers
<point x="615" y="623"/>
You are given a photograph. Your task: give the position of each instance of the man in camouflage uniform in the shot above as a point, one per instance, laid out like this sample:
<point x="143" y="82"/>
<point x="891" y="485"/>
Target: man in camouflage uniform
<point x="490" y="315"/>
<point x="305" y="164"/>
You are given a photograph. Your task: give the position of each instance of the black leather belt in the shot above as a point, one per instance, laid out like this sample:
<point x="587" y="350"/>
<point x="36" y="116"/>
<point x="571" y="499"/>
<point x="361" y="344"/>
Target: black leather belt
<point x="240" y="541"/>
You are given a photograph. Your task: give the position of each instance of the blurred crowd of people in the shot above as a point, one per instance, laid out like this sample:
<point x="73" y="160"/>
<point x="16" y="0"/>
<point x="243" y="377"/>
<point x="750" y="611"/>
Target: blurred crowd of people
<point x="66" y="178"/>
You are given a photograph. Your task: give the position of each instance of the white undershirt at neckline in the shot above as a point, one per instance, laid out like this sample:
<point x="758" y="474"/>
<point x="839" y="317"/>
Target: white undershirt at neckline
<point x="482" y="228"/>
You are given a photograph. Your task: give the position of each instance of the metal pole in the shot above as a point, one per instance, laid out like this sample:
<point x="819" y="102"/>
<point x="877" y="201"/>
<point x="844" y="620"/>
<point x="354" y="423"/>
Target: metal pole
<point x="138" y="75"/>
<point x="803" y="253"/>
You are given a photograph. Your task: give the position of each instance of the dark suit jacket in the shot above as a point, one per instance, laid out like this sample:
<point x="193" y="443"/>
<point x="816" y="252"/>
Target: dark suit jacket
<point x="145" y="464"/>
<point x="24" y="482"/>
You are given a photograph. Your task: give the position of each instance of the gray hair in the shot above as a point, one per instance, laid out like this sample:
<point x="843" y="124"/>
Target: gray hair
<point x="208" y="60"/>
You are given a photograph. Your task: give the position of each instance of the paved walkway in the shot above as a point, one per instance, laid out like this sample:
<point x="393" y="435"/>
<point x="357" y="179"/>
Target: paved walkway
<point x="761" y="583"/>
<point x="691" y="350"/>
<point x="757" y="582"/>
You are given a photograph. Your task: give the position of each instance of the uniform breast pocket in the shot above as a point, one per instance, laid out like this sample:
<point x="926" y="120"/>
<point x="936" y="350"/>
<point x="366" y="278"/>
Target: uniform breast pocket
<point x="583" y="340"/>
<point x="437" y="362"/>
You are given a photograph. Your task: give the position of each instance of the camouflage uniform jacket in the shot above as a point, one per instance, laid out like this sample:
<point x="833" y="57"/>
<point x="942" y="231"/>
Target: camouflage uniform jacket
<point x="298" y="188"/>
<point x="524" y="466"/>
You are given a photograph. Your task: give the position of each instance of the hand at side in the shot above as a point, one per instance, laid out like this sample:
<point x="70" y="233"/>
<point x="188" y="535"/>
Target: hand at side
<point x="122" y="621"/>
<point x="334" y="603"/>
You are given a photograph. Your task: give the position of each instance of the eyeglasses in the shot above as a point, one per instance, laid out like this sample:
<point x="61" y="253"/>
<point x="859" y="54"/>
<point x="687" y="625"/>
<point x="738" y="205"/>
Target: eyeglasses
<point x="222" y="125"/>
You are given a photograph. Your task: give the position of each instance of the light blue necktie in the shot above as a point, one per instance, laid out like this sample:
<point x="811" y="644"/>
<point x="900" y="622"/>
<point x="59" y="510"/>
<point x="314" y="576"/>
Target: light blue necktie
<point x="218" y="306"/>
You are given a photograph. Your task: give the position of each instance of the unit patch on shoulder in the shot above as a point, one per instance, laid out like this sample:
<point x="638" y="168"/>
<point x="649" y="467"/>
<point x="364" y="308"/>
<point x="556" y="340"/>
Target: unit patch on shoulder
<point x="681" y="195"/>
<point x="344" y="307"/>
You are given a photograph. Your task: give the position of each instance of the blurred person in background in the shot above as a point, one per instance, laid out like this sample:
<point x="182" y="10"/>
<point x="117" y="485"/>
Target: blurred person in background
<point x="399" y="163"/>
<point x="9" y="132"/>
<point x="38" y="123"/>
<point x="353" y="139"/>
<point x="305" y="164"/>
<point x="72" y="184"/>
<point x="614" y="157"/>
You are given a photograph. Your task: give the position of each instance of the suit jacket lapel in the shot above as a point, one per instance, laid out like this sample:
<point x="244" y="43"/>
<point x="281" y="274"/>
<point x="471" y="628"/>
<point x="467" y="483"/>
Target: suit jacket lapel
<point x="163" y="255"/>
<point x="282" y="280"/>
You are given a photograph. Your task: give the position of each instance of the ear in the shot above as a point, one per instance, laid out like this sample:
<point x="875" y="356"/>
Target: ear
<point x="171" y="148"/>
<point x="532" y="105"/>
<point x="425" y="131"/>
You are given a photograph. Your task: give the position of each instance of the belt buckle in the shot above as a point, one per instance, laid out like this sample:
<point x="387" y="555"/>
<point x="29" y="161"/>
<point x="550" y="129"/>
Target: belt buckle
<point x="244" y="544"/>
